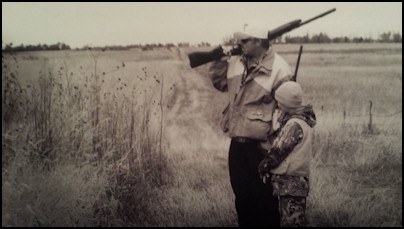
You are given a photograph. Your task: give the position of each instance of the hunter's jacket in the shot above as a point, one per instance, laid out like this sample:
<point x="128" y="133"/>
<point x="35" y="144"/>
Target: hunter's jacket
<point x="251" y="103"/>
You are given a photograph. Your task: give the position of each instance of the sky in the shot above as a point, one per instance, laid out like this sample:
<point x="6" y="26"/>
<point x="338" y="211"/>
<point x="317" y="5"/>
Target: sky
<point x="123" y="23"/>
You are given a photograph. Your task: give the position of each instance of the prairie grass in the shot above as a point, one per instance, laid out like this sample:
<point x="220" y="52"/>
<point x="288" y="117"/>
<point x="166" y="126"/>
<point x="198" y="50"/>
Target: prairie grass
<point x="84" y="141"/>
<point x="73" y="148"/>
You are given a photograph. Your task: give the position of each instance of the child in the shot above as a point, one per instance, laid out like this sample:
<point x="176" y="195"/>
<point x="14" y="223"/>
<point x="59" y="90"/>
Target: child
<point x="287" y="162"/>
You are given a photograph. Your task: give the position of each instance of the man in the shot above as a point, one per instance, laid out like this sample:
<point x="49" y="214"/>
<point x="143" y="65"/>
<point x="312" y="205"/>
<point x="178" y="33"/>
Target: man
<point x="287" y="163"/>
<point x="250" y="80"/>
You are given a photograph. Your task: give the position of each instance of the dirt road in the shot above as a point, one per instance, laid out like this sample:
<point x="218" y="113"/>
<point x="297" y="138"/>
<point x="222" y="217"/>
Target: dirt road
<point x="196" y="151"/>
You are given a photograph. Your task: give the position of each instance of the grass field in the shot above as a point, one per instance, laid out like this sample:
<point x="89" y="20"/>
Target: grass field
<point x="131" y="138"/>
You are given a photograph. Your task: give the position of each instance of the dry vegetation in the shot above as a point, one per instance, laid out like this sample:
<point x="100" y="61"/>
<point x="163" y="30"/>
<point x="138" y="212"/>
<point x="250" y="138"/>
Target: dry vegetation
<point x="130" y="138"/>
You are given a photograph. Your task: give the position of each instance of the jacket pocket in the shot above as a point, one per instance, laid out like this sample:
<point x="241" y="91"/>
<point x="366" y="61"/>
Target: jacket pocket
<point x="258" y="125"/>
<point x="224" y="122"/>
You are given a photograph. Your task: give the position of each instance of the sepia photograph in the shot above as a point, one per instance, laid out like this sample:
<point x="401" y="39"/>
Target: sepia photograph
<point x="201" y="114"/>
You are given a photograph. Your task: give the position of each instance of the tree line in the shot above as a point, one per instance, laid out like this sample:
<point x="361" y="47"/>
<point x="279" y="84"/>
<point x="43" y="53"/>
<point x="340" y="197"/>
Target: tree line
<point x="387" y="37"/>
<point x="63" y="46"/>
<point x="39" y="47"/>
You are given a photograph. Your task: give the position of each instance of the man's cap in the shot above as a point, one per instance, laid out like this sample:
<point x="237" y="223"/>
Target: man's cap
<point x="289" y="95"/>
<point x="252" y="29"/>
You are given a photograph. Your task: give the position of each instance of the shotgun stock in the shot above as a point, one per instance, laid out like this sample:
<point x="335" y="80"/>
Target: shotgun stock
<point x="199" y="58"/>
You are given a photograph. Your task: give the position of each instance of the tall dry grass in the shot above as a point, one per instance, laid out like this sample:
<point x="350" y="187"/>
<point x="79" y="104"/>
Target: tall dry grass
<point x="71" y="155"/>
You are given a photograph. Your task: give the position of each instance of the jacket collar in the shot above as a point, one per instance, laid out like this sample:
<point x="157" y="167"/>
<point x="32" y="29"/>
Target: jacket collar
<point x="265" y="65"/>
<point x="305" y="113"/>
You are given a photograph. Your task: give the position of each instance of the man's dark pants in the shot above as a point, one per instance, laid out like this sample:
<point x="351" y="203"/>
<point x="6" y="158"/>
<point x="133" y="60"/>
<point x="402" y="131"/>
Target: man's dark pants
<point x="255" y="204"/>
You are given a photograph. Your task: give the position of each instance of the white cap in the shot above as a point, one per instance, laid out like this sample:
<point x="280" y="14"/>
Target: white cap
<point x="254" y="29"/>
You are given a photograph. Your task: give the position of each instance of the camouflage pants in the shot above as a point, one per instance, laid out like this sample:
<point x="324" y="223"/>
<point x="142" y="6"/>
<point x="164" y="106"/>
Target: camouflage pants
<point x="292" y="210"/>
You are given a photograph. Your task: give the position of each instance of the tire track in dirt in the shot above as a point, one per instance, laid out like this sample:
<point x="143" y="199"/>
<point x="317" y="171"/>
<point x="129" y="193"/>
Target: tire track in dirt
<point x="183" y="113"/>
<point x="190" y="104"/>
<point x="197" y="152"/>
<point x="189" y="127"/>
<point x="194" y="92"/>
<point x="190" y="94"/>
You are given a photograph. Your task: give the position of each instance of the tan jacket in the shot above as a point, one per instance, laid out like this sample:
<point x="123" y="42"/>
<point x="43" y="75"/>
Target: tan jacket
<point x="251" y="104"/>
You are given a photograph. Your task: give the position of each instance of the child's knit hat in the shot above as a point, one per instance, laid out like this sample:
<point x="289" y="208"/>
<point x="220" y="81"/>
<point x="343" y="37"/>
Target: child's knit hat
<point x="289" y="95"/>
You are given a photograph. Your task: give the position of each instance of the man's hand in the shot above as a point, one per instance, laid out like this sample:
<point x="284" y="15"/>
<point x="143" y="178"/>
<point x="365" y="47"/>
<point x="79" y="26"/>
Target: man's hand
<point x="265" y="178"/>
<point x="263" y="170"/>
<point x="227" y="50"/>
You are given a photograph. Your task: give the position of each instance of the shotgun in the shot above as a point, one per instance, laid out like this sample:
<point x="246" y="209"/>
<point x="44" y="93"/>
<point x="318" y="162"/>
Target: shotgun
<point x="199" y="58"/>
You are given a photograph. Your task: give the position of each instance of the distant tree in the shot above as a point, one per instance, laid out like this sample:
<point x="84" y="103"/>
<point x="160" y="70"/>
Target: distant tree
<point x="146" y="47"/>
<point x="183" y="44"/>
<point x="338" y="39"/>
<point x="19" y="48"/>
<point x="297" y="39"/>
<point x="385" y="37"/>
<point x="289" y="39"/>
<point x="53" y="47"/>
<point x="320" y="38"/>
<point x="29" y="48"/>
<point x="63" y="46"/>
<point x="8" y="47"/>
<point x="38" y="47"/>
<point x="358" y="39"/>
<point x="204" y="44"/>
<point x="306" y="38"/>
<point x="368" y="40"/>
<point x="169" y="45"/>
<point x="397" y="38"/>
<point x="85" y="47"/>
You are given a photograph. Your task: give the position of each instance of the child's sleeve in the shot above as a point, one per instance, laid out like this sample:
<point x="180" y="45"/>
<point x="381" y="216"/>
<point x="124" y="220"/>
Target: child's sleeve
<point x="289" y="136"/>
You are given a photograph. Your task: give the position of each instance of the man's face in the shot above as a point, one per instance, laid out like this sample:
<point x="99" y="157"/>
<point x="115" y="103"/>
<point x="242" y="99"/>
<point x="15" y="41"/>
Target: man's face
<point x="249" y="46"/>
